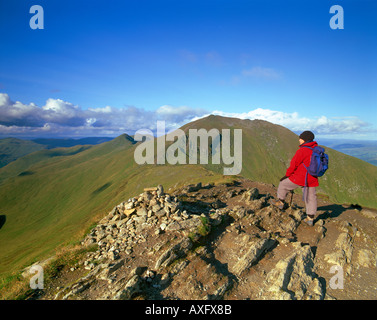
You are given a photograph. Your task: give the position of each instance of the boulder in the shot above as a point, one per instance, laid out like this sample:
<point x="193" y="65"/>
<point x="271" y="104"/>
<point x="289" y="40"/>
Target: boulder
<point x="251" y="194"/>
<point x="292" y="276"/>
<point x="160" y="190"/>
<point x="257" y="248"/>
<point x="174" y="252"/>
<point x="132" y="287"/>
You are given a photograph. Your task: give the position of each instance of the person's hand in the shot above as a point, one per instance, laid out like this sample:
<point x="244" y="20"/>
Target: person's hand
<point x="285" y="177"/>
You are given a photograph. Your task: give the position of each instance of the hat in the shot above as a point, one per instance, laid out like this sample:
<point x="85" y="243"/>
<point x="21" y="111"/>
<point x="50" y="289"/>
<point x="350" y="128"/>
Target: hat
<point x="307" y="136"/>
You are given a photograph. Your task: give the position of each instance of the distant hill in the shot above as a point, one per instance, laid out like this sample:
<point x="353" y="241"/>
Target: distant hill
<point x="52" y="197"/>
<point x="20" y="167"/>
<point x="364" y="150"/>
<point x="268" y="149"/>
<point x="60" y="197"/>
<point x="66" y="143"/>
<point x="12" y="149"/>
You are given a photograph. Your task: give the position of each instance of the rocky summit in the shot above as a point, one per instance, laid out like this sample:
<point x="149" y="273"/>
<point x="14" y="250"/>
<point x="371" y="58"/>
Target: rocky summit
<point x="223" y="242"/>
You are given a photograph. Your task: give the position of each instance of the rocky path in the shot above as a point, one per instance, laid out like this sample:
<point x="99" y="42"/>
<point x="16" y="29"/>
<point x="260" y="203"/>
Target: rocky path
<point x="224" y="242"/>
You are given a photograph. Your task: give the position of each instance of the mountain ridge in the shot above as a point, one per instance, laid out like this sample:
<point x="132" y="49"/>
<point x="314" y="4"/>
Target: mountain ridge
<point x="268" y="149"/>
<point x="211" y="242"/>
<point x="54" y="202"/>
<point x="12" y="149"/>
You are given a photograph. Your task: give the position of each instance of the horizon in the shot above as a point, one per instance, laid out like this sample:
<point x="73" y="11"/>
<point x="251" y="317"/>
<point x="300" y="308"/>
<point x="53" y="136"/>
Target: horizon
<point x="155" y="134"/>
<point x="113" y="68"/>
<point x="365" y="150"/>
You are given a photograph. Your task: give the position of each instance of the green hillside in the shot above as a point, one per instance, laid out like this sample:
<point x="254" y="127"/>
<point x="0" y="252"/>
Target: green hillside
<point x="12" y="149"/>
<point x="67" y="143"/>
<point x="51" y="197"/>
<point x="268" y="148"/>
<point x="20" y="167"/>
<point x="64" y="196"/>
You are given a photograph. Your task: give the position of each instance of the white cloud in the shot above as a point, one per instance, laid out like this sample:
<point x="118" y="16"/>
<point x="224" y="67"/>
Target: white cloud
<point x="60" y="118"/>
<point x="61" y="112"/>
<point x="295" y="122"/>
<point x="18" y="114"/>
<point x="4" y="99"/>
<point x="178" y="115"/>
<point x="61" y="107"/>
<point x="106" y="109"/>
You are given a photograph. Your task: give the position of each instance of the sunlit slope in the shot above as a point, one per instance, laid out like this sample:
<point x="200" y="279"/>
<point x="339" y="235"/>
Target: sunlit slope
<point x="20" y="167"/>
<point x="50" y="199"/>
<point x="268" y="148"/>
<point x="12" y="148"/>
<point x="62" y="197"/>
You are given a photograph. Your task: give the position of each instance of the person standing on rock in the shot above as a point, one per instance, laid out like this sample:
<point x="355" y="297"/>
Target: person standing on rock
<point x="297" y="176"/>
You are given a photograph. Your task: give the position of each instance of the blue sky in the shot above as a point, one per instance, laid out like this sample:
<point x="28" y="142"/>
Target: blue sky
<point x="107" y="67"/>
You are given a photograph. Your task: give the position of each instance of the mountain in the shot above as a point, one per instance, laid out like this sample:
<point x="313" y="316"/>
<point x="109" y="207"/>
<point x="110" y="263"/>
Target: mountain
<point x="12" y="149"/>
<point x="66" y="143"/>
<point x="62" y="196"/>
<point x="268" y="148"/>
<point x="49" y="201"/>
<point x="20" y="166"/>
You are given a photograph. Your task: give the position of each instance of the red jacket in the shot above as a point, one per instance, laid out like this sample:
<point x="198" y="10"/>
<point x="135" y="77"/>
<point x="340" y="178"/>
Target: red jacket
<point x="296" y="171"/>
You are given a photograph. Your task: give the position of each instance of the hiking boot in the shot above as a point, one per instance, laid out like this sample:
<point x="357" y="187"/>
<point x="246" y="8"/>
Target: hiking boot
<point x="278" y="203"/>
<point x="309" y="221"/>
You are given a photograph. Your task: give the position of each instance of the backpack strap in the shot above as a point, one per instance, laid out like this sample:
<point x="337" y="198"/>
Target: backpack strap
<point x="305" y="191"/>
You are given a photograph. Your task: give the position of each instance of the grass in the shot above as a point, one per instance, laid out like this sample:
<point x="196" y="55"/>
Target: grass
<point x="64" y="197"/>
<point x="63" y="194"/>
<point x="205" y="228"/>
<point x="20" y="167"/>
<point x="11" y="149"/>
<point x="202" y="231"/>
<point x="17" y="287"/>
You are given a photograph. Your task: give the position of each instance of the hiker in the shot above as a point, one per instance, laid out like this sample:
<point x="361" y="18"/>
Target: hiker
<point x="296" y="176"/>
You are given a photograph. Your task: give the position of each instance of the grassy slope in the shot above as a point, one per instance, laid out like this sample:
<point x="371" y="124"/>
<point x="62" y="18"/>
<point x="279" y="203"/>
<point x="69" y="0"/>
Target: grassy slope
<point x="64" y="195"/>
<point x="11" y="149"/>
<point x="268" y="149"/>
<point x="350" y="180"/>
<point x="20" y="167"/>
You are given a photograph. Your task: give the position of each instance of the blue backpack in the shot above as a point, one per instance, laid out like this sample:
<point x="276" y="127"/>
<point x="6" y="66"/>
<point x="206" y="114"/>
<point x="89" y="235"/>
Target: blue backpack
<point x="319" y="162"/>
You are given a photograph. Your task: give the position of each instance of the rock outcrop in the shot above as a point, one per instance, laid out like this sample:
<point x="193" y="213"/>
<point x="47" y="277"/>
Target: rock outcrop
<point x="292" y="277"/>
<point x="209" y="242"/>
